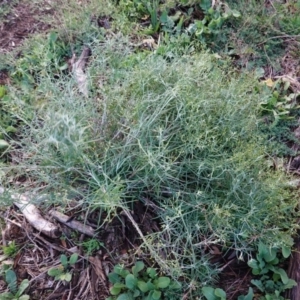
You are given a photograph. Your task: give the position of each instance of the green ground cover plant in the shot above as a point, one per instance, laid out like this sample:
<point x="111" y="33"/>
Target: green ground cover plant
<point x="188" y="139"/>
<point x="181" y="130"/>
<point x="141" y="283"/>
<point x="16" y="292"/>
<point x="63" y="272"/>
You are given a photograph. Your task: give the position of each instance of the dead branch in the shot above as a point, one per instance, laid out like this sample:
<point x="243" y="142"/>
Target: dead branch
<point x="78" y="68"/>
<point x="85" y="229"/>
<point x="33" y="215"/>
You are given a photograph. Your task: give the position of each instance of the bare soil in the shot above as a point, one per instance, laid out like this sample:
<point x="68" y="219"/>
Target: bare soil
<point x="23" y="20"/>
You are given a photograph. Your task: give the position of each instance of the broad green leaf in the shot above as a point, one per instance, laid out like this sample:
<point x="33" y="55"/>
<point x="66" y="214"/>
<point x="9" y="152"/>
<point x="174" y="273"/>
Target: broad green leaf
<point x="113" y="277"/>
<point x="136" y="293"/>
<point x="151" y="272"/>
<point x="236" y="13"/>
<point x="139" y="266"/>
<point x="291" y="283"/>
<point x="3" y="144"/>
<point x="11" y="279"/>
<point x="163" y="282"/>
<point x="22" y="287"/>
<point x="119" y="285"/>
<point x="130" y="281"/>
<point x="282" y="273"/>
<point x="150" y="285"/>
<point x="118" y="269"/>
<point x="73" y="259"/>
<point x="115" y="291"/>
<point x="64" y="260"/>
<point x="175" y="285"/>
<point x="220" y="293"/>
<point x="252" y="263"/>
<point x="125" y="296"/>
<point x="249" y="296"/>
<point x="156" y="295"/>
<point x="267" y="253"/>
<point x="258" y="284"/>
<point x="143" y="286"/>
<point x="209" y="293"/>
<point x="2" y="91"/>
<point x="54" y="272"/>
<point x="286" y="251"/>
<point x="6" y="296"/>
<point x="10" y="276"/>
<point x="68" y="277"/>
<point x="24" y="297"/>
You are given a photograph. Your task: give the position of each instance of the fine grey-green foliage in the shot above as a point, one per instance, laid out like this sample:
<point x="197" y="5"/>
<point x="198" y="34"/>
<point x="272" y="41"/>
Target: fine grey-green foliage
<point x="183" y="134"/>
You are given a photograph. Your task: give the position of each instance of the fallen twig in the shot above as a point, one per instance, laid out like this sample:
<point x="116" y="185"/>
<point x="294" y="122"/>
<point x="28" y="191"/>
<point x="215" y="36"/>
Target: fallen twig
<point x="33" y="215"/>
<point x="78" y="70"/>
<point x="85" y="229"/>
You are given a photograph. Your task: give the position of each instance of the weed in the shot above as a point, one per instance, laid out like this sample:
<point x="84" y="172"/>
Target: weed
<point x="273" y="280"/>
<point x="186" y="138"/>
<point x="15" y="291"/>
<point x="11" y="250"/>
<point x="141" y="284"/>
<point x="63" y="272"/>
<point x="91" y="245"/>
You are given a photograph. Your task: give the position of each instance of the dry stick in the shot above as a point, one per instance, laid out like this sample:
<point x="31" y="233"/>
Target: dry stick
<point x="33" y="215"/>
<point x="152" y="251"/>
<point x="78" y="70"/>
<point x="85" y="229"/>
<point x="279" y="37"/>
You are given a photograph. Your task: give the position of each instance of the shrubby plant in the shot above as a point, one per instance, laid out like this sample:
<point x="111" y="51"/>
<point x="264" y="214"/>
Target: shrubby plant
<point x="183" y="133"/>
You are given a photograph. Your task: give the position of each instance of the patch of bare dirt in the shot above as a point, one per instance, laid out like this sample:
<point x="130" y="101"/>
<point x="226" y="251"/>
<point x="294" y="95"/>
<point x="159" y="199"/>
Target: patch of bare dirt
<point x="22" y="21"/>
<point x="38" y="253"/>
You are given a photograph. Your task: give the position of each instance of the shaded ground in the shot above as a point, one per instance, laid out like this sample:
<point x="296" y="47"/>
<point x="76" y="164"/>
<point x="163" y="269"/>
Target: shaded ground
<point x="23" y="20"/>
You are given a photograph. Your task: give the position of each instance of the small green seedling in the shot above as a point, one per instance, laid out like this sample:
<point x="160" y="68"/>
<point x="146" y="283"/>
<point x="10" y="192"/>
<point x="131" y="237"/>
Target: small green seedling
<point x="15" y="292"/>
<point x="63" y="272"/>
<point x="273" y="280"/>
<point x="11" y="249"/>
<point x="139" y="284"/>
<point x="219" y="294"/>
